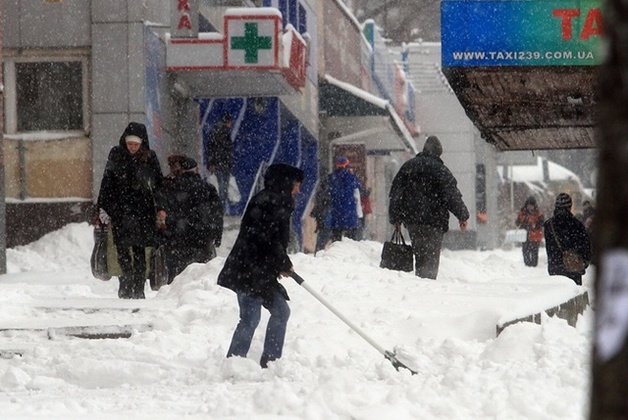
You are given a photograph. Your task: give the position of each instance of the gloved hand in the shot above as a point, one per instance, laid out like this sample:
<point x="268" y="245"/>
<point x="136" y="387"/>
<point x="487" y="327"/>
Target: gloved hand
<point x="104" y="217"/>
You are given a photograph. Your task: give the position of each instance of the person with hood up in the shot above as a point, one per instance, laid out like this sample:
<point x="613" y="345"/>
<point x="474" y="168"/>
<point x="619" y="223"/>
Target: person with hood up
<point x="564" y="232"/>
<point x="344" y="200"/>
<point x="194" y="221"/>
<point x="258" y="258"/>
<point x="531" y="219"/>
<point x="127" y="199"/>
<point x="422" y="194"/>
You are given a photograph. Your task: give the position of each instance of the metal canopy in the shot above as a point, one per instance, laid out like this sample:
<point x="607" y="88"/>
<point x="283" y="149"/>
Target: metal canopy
<point x="529" y="108"/>
<point x="362" y="117"/>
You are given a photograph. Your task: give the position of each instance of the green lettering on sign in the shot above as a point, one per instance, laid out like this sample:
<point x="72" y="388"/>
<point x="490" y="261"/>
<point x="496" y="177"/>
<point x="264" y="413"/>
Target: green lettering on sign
<point x="251" y="43"/>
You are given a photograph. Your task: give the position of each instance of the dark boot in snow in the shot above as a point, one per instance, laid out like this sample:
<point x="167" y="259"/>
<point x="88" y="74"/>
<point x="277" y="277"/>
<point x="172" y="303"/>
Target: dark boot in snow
<point x="125" y="290"/>
<point x="139" y="283"/>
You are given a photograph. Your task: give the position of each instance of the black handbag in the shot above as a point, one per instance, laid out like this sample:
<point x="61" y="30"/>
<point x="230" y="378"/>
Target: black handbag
<point x="98" y="260"/>
<point x="396" y="255"/>
<point x="158" y="270"/>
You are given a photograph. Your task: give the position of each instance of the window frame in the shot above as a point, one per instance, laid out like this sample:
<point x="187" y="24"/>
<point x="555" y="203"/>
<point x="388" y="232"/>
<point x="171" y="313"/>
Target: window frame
<point x="10" y="91"/>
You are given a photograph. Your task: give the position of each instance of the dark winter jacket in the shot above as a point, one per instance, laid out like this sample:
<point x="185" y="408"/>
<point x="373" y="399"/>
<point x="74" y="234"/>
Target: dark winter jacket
<point x="341" y="185"/>
<point x="194" y="212"/>
<point x="570" y="234"/>
<point x="423" y="192"/>
<point x="320" y="210"/>
<point x="219" y="148"/>
<point x="260" y="251"/>
<point x="127" y="190"/>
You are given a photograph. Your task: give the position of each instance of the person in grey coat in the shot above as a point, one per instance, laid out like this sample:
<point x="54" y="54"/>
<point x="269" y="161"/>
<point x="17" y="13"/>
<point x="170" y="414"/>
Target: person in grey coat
<point x="423" y="193"/>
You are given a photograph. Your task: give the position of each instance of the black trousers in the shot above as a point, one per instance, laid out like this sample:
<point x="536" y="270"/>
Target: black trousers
<point x="426" y="244"/>
<point x="530" y="252"/>
<point x="336" y="234"/>
<point x="132" y="260"/>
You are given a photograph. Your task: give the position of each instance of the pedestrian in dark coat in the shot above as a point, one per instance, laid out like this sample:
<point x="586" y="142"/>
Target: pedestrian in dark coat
<point x="218" y="154"/>
<point x="531" y="219"/>
<point x="423" y="193"/>
<point x="321" y="213"/>
<point x="127" y="196"/>
<point x="344" y="198"/>
<point x="564" y="232"/>
<point x="194" y="221"/>
<point x="258" y="258"/>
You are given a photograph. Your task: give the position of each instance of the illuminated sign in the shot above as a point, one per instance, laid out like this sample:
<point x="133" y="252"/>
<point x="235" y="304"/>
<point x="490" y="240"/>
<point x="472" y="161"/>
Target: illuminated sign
<point x="521" y="33"/>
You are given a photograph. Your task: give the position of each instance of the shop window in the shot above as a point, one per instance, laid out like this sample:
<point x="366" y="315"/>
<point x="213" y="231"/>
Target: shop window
<point x="49" y="96"/>
<point x="45" y="95"/>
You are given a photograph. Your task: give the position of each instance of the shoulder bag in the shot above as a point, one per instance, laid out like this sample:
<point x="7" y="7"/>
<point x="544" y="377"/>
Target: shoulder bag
<point x="572" y="260"/>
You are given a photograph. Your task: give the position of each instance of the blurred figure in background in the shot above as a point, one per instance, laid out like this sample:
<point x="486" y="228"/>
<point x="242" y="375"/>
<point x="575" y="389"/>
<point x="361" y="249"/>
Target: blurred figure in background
<point x="218" y="154"/>
<point x="563" y="232"/>
<point x="194" y="221"/>
<point x="321" y="213"/>
<point x="531" y="219"/>
<point x="344" y="198"/>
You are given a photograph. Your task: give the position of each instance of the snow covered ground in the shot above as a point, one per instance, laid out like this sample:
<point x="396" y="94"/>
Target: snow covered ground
<point x="173" y="365"/>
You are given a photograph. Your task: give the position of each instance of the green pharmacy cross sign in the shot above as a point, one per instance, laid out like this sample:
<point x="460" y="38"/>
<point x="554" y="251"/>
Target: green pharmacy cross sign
<point x="251" y="43"/>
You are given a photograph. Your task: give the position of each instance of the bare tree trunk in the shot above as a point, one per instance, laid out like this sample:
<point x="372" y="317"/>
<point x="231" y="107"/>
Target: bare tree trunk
<point x="609" y="398"/>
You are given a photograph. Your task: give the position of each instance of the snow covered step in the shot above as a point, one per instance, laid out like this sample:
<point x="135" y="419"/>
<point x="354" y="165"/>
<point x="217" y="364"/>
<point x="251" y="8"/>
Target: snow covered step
<point x="91" y="332"/>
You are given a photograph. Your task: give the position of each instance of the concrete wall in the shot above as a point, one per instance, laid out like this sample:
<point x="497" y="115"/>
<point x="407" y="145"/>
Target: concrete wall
<point x="118" y="71"/>
<point x="440" y="114"/>
<point x="48" y="169"/>
<point x="41" y="24"/>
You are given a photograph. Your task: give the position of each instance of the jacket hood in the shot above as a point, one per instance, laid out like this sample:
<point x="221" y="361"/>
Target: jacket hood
<point x="135" y="129"/>
<point x="280" y="178"/>
<point x="530" y="200"/>
<point x="433" y="146"/>
<point x="429" y="155"/>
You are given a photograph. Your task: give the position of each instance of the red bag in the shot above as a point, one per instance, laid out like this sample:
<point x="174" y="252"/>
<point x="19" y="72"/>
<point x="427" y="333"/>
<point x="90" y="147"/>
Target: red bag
<point x="365" y="201"/>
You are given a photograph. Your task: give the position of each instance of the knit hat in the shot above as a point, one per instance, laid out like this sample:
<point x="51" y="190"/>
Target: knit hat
<point x="433" y="146"/>
<point x="563" y="201"/>
<point x="188" y="164"/>
<point x="342" y="162"/>
<point x="175" y="159"/>
<point x="133" y="139"/>
<point x="135" y="129"/>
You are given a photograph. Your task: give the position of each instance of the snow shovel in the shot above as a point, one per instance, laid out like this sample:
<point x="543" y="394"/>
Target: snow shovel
<point x="387" y="354"/>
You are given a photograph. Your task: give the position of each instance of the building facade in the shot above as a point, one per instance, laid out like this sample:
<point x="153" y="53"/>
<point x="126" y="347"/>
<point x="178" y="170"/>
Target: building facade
<point x="302" y="79"/>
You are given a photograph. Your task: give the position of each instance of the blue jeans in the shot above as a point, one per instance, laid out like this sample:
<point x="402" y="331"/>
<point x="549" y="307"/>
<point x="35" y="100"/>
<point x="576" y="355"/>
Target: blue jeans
<point x="250" y="314"/>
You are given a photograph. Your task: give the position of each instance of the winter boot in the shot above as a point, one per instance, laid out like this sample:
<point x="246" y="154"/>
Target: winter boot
<point x="125" y="291"/>
<point x="138" y="287"/>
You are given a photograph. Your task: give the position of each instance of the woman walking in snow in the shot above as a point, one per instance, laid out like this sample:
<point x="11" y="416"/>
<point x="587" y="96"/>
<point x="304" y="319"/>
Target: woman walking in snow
<point x="127" y="199"/>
